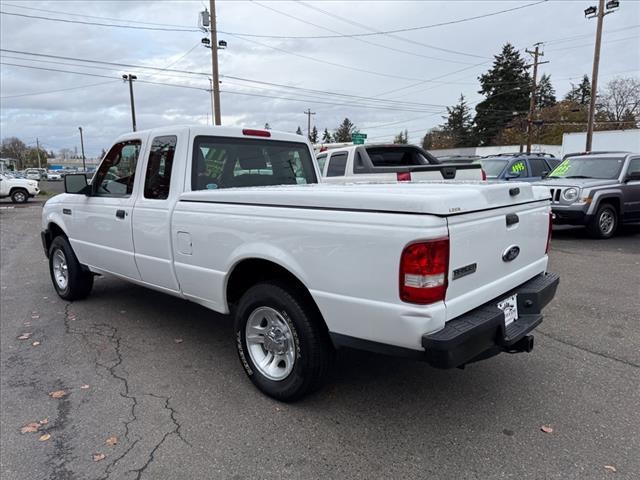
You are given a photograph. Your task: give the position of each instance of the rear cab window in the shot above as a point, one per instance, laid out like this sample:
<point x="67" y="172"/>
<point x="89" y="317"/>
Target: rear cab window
<point x="228" y="162"/>
<point x="401" y="157"/>
<point x="321" y="159"/>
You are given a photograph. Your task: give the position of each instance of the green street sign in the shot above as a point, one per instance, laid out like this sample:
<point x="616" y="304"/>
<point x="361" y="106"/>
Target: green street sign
<point x="358" y="138"/>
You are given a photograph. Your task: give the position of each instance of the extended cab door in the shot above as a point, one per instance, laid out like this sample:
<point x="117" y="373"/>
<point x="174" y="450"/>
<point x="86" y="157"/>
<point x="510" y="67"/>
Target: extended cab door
<point x="101" y="227"/>
<point x="152" y="212"/>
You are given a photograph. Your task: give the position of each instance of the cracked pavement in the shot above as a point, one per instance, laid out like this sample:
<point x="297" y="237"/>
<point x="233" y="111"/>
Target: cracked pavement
<point x="184" y="409"/>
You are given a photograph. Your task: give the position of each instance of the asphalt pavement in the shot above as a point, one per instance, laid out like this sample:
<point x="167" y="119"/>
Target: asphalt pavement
<point x="162" y="376"/>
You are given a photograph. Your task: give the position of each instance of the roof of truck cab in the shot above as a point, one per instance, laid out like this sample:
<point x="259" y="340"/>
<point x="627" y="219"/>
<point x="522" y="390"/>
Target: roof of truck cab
<point x="218" y="131"/>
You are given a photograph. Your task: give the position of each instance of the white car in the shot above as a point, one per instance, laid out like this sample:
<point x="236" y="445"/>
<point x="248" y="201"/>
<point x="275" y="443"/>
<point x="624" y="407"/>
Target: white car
<point x="33" y="174"/>
<point x="53" y="176"/>
<point x="235" y="220"/>
<point x="19" y="189"/>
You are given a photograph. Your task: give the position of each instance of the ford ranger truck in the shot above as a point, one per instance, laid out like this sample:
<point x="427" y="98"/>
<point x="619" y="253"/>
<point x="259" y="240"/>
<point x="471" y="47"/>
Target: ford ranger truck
<point x="235" y="220"/>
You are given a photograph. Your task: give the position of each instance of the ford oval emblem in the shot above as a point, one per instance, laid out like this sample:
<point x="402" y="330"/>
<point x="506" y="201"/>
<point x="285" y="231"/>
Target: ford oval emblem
<point x="511" y="253"/>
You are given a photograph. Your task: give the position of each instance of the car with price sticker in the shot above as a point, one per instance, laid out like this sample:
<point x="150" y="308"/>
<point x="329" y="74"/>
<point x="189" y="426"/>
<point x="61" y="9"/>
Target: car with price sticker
<point x="518" y="166"/>
<point x="599" y="191"/>
<point x="237" y="220"/>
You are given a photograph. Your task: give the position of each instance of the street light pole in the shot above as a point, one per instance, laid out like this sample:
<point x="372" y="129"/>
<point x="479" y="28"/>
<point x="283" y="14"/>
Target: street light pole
<point x="130" y="78"/>
<point x="591" y="12"/>
<point x="84" y="167"/>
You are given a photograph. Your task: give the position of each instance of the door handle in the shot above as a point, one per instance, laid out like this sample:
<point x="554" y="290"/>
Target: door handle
<point x="120" y="213"/>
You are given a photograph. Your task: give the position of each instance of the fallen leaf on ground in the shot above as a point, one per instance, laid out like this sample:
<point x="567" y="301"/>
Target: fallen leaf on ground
<point x="546" y="429"/>
<point x="178" y="340"/>
<point x="27" y="324"/>
<point x="35" y="316"/>
<point x="111" y="441"/>
<point x="30" y="427"/>
<point x="57" y="394"/>
<point x="610" y="467"/>
<point x="25" y="336"/>
<point x="36" y="343"/>
<point x="98" y="456"/>
<point x="45" y="437"/>
<point x="44" y="421"/>
<point x="84" y="387"/>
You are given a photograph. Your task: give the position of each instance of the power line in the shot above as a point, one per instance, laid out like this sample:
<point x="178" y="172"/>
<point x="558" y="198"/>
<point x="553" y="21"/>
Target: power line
<point x="390" y="35"/>
<point x="354" y="38"/>
<point x="591" y="44"/>
<point x="59" y="90"/>
<point x="313" y="91"/>
<point x="191" y="29"/>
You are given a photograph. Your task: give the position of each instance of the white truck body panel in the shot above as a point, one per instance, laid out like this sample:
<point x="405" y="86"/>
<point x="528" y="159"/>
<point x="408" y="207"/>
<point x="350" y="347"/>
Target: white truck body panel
<point x="343" y="242"/>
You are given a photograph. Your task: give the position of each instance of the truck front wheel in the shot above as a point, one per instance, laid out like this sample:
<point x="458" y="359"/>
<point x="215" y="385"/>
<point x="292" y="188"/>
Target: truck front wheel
<point x="70" y="279"/>
<point x="19" y="195"/>
<point x="282" y="343"/>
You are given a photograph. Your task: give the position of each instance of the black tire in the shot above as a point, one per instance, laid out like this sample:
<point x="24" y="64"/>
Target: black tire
<point x="605" y="222"/>
<point x="314" y="352"/>
<point x="19" y="195"/>
<point x="79" y="280"/>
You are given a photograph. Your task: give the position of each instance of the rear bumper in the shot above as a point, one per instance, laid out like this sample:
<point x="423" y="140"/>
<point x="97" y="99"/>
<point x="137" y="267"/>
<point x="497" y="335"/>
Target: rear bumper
<point x="481" y="333"/>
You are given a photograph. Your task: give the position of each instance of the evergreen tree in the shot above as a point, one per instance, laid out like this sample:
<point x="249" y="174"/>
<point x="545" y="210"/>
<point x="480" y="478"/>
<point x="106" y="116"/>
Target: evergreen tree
<point x="459" y="124"/>
<point x="402" y="137"/>
<point x="581" y="93"/>
<point x="314" y="135"/>
<point x="545" y="93"/>
<point x="299" y="130"/>
<point x="326" y="136"/>
<point x="344" y="131"/>
<point x="506" y="86"/>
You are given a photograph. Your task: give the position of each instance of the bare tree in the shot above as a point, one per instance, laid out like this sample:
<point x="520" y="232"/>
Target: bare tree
<point x="619" y="103"/>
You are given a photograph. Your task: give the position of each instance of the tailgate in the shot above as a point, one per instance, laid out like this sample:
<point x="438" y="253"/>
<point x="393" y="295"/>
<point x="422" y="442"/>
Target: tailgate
<point x="483" y="264"/>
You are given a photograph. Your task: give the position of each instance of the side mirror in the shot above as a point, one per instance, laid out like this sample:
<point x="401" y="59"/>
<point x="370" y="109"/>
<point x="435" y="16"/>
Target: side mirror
<point x="76" y="183"/>
<point x="632" y="177"/>
<point x="545" y="173"/>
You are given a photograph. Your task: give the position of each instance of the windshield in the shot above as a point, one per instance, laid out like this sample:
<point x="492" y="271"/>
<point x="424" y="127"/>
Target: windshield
<point x="241" y="162"/>
<point x="492" y="166"/>
<point x="603" y="168"/>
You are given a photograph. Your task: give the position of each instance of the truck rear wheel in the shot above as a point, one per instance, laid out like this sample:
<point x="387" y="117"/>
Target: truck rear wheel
<point x="71" y="280"/>
<point x="282" y="343"/>
<point x="604" y="223"/>
<point x="19" y="195"/>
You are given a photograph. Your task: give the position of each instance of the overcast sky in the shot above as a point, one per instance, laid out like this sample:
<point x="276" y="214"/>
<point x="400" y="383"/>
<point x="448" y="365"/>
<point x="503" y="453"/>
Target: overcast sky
<point x="343" y="69"/>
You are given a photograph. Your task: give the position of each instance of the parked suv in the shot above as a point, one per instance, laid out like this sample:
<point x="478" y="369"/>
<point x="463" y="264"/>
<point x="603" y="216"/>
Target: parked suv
<point x="599" y="191"/>
<point x="518" y="166"/>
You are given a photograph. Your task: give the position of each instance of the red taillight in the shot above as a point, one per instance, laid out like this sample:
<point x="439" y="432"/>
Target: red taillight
<point x="549" y="233"/>
<point x="403" y="176"/>
<point x="484" y="174"/>
<point x="256" y="133"/>
<point x="324" y="149"/>
<point x="423" y="271"/>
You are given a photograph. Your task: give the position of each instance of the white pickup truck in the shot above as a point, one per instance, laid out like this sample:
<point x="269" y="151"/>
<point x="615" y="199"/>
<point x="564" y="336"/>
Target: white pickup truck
<point x="390" y="163"/>
<point x="19" y="189"/>
<point x="235" y="220"/>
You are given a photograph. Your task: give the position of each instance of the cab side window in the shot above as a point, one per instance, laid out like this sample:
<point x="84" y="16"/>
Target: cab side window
<point x="519" y="166"/>
<point x="322" y="159"/>
<point x="539" y="167"/>
<point x="117" y="171"/>
<point x="337" y="164"/>
<point x="634" y="166"/>
<point x="158" y="176"/>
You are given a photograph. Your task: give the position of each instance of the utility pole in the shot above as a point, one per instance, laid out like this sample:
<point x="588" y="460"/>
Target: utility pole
<point x="534" y="86"/>
<point x="84" y="167"/>
<point x="38" y="150"/>
<point x="214" y="62"/>
<point x="308" y="113"/>
<point x="213" y="108"/>
<point x="598" y="13"/>
<point x="130" y="78"/>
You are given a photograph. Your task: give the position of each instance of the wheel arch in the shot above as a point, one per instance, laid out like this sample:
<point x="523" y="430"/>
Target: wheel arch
<point x="250" y="271"/>
<point x="612" y="196"/>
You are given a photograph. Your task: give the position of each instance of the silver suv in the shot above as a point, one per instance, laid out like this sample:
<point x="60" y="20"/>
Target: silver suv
<point x="599" y="191"/>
